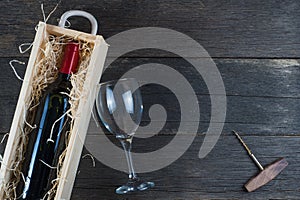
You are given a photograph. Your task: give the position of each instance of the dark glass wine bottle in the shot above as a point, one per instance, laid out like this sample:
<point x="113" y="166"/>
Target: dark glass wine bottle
<point x="43" y="146"/>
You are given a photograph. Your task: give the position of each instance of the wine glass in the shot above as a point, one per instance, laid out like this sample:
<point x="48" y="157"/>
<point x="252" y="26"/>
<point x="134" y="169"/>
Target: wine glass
<point x="119" y="106"/>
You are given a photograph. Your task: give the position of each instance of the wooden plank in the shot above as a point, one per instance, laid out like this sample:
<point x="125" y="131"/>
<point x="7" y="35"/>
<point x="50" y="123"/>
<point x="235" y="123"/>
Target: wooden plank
<point x="263" y="95"/>
<point x="244" y="77"/>
<point x="258" y="115"/>
<point x="241" y="77"/>
<point x="225" y="28"/>
<point x="102" y="180"/>
<point x="59" y="31"/>
<point x="220" y="175"/>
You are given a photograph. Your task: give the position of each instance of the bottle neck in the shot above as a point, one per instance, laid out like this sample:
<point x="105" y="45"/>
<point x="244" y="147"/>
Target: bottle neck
<point x="64" y="76"/>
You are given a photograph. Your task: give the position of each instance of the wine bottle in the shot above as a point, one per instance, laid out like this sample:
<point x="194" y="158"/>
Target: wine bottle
<point x="45" y="142"/>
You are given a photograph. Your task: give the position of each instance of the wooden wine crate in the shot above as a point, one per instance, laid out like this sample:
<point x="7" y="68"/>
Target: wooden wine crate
<point x="80" y="126"/>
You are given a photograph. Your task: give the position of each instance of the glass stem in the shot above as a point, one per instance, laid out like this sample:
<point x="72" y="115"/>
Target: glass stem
<point x="126" y="143"/>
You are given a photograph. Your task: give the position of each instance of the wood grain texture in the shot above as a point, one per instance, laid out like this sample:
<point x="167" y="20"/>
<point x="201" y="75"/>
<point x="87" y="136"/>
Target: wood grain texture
<point x="226" y="29"/>
<point x="255" y="45"/>
<point x="220" y="175"/>
<point x="262" y="95"/>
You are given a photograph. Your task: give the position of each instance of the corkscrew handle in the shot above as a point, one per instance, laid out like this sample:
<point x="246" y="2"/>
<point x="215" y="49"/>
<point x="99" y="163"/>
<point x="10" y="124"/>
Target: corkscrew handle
<point x="80" y="13"/>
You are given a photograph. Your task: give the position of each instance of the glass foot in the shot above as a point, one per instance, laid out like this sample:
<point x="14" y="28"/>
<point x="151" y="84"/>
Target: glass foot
<point x="134" y="185"/>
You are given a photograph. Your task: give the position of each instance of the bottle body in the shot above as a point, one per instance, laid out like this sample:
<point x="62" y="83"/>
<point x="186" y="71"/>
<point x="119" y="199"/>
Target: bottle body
<point x="46" y="141"/>
<point x="52" y="124"/>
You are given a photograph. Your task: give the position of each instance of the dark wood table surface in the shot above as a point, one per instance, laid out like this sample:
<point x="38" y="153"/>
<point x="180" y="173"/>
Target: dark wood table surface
<point x="256" y="47"/>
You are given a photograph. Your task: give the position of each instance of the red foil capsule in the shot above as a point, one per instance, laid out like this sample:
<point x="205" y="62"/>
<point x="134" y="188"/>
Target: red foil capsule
<point x="71" y="58"/>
